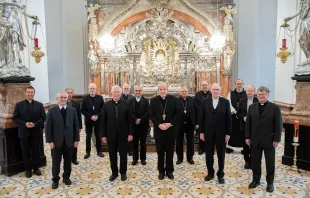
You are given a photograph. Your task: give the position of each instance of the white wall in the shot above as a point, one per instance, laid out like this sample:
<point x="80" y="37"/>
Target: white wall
<point x="285" y="86"/>
<point x="65" y="33"/>
<point x="39" y="71"/>
<point x="256" y="39"/>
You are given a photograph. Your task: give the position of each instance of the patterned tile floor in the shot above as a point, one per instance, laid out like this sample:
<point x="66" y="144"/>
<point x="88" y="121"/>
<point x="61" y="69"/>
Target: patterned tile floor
<point x="90" y="179"/>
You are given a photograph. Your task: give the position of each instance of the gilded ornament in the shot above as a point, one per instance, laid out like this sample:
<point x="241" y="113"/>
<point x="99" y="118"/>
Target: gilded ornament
<point x="283" y="54"/>
<point x="37" y="54"/>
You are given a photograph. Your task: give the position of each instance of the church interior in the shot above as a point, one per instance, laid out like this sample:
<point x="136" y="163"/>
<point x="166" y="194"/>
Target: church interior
<point x="182" y="43"/>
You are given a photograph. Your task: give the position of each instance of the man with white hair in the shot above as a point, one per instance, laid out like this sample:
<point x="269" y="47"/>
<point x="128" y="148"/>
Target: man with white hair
<point x="91" y="108"/>
<point x="215" y="123"/>
<point x="117" y="131"/>
<point x="62" y="134"/>
<point x="164" y="113"/>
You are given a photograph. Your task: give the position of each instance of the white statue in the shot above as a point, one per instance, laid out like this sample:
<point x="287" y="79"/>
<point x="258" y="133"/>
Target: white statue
<point x="304" y="35"/>
<point x="11" y="39"/>
<point x="93" y="60"/>
<point x="229" y="10"/>
<point x="228" y="57"/>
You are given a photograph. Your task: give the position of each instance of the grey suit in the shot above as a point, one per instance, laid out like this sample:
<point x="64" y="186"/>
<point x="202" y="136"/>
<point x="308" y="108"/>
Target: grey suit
<point x="63" y="133"/>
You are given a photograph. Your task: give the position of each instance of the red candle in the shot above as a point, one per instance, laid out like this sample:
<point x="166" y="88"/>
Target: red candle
<point x="36" y="42"/>
<point x="283" y="43"/>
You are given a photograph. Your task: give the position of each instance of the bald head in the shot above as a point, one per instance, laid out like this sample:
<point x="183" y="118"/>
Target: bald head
<point x="138" y="91"/>
<point x="215" y="90"/>
<point x="92" y="88"/>
<point x="183" y="92"/>
<point x="250" y="91"/>
<point x="126" y="89"/>
<point x="162" y="90"/>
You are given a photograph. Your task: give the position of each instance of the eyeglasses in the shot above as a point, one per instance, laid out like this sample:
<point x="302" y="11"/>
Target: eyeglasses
<point x="63" y="97"/>
<point x="138" y="90"/>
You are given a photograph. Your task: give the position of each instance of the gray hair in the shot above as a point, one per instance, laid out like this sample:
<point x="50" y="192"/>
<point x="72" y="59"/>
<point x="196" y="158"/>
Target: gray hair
<point x="59" y="93"/>
<point x="263" y="88"/>
<point x="250" y="85"/>
<point x="136" y="86"/>
<point x="184" y="87"/>
<point x="116" y="87"/>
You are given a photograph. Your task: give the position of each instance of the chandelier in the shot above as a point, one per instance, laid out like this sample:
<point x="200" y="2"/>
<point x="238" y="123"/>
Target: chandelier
<point x="106" y="42"/>
<point x="217" y="41"/>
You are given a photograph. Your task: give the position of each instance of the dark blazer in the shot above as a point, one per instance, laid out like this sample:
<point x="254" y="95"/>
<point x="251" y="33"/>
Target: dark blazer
<point x="199" y="98"/>
<point x="172" y="115"/>
<point x="21" y="116"/>
<point x="191" y="110"/>
<point x="110" y="126"/>
<point x="78" y="112"/>
<point x="215" y="124"/>
<point x="129" y="98"/>
<point x="264" y="130"/>
<point x="144" y="110"/>
<point x="55" y="129"/>
<point x="87" y="106"/>
<point x="242" y="111"/>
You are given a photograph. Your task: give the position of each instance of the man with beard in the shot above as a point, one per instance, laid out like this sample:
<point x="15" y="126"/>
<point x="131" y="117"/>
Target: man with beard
<point x="237" y="138"/>
<point x="117" y="131"/>
<point x="164" y="113"/>
<point x="200" y="96"/>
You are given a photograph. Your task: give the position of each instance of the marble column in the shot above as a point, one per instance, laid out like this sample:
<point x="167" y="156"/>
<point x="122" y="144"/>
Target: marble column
<point x="218" y="69"/>
<point x="182" y="70"/>
<point x="131" y="73"/>
<point x="138" y="71"/>
<point x="189" y="74"/>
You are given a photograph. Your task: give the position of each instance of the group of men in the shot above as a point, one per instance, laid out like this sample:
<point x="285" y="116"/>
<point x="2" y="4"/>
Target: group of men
<point x="242" y="120"/>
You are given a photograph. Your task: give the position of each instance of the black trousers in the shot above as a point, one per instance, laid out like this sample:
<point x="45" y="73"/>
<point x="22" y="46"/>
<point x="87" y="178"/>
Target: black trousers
<point x="30" y="150"/>
<point x="57" y="154"/>
<point x="165" y="148"/>
<point x="201" y="144"/>
<point x="256" y="157"/>
<point x="120" y="145"/>
<point x="189" y="131"/>
<point x="246" y="151"/>
<point x="74" y="154"/>
<point x="220" y="151"/>
<point x="89" y="125"/>
<point x="139" y="136"/>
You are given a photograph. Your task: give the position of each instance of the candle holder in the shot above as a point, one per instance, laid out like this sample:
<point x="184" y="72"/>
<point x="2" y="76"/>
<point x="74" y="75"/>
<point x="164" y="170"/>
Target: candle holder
<point x="283" y="54"/>
<point x="37" y="54"/>
<point x="294" y="166"/>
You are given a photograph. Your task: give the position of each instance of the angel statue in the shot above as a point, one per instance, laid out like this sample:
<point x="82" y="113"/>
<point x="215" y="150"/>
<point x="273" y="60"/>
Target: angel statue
<point x="93" y="60"/>
<point x="229" y="10"/>
<point x="91" y="10"/>
<point x="11" y="39"/>
<point x="304" y="35"/>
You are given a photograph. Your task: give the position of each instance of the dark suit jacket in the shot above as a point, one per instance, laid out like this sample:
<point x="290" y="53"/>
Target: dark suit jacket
<point x="215" y="125"/>
<point x="21" y="116"/>
<point x="78" y="112"/>
<point x="199" y="98"/>
<point x="243" y="112"/>
<point x="192" y="110"/>
<point x="110" y="126"/>
<point x="144" y="111"/>
<point x="129" y="98"/>
<point x="264" y="130"/>
<point x="87" y="107"/>
<point x="172" y="115"/>
<point x="55" y="129"/>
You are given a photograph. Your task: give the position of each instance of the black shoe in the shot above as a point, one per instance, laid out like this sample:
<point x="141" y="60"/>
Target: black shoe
<point x="221" y="180"/>
<point x="134" y="162"/>
<point x="28" y="174"/>
<point x="143" y="162"/>
<point x="75" y="162"/>
<point x="37" y="172"/>
<point x="270" y="188"/>
<point x="54" y="185"/>
<point x="200" y="152"/>
<point x="191" y="161"/>
<point x="100" y="154"/>
<point x="161" y="176"/>
<point x="209" y="177"/>
<point x="113" y="177"/>
<point x="170" y="176"/>
<point x="229" y="150"/>
<point x="67" y="181"/>
<point x="253" y="184"/>
<point x="247" y="165"/>
<point x="86" y="156"/>
<point x="179" y="162"/>
<point x="130" y="153"/>
<point x="123" y="177"/>
<point x="242" y="152"/>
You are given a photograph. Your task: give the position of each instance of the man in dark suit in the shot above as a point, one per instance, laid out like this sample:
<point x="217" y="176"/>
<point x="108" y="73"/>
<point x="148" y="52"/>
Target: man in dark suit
<point x="29" y="116"/>
<point x="200" y="96"/>
<point x="187" y="125"/>
<point x="117" y="131"/>
<point x="242" y="115"/>
<point x="164" y="113"/>
<point x="127" y="97"/>
<point x="140" y="116"/>
<point x="263" y="133"/>
<point x="215" y="126"/>
<point x="236" y="139"/>
<point x="75" y="105"/>
<point x="91" y="108"/>
<point x="62" y="134"/>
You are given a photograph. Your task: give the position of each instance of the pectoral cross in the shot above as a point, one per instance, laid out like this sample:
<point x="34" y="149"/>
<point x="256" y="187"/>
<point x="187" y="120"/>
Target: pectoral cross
<point x="185" y="111"/>
<point x="93" y="108"/>
<point x="164" y="116"/>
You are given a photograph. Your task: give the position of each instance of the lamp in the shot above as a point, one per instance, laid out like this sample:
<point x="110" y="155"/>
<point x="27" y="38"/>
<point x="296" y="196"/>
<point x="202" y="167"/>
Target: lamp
<point x="217" y="40"/>
<point x="283" y="54"/>
<point x="106" y="42"/>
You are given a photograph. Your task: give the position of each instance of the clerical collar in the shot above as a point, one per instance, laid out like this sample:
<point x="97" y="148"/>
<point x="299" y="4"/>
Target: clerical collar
<point x="92" y="95"/>
<point x="183" y="98"/>
<point x="162" y="98"/>
<point x="60" y="107"/>
<point x="264" y="103"/>
<point x="116" y="102"/>
<point x="239" y="91"/>
<point x="29" y="101"/>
